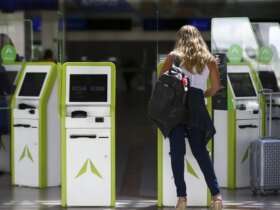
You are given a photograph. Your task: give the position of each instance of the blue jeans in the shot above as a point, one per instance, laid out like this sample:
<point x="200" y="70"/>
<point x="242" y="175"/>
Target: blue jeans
<point x="199" y="150"/>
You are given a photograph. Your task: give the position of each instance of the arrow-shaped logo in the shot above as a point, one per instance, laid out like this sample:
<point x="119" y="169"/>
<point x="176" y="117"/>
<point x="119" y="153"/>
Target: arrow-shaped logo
<point x="88" y="165"/>
<point x="26" y="153"/>
<point x="246" y="155"/>
<point x="191" y="170"/>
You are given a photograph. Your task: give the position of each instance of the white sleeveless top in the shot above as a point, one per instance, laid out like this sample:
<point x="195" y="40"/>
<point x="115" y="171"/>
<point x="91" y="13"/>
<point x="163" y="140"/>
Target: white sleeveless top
<point x="198" y="80"/>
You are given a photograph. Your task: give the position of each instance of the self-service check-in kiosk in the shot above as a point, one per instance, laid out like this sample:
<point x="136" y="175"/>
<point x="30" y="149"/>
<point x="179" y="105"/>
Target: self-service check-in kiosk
<point x="35" y="145"/>
<point x="236" y="108"/>
<point x="13" y="72"/>
<point x="88" y="134"/>
<point x="266" y="66"/>
<point x="236" y="119"/>
<point x="197" y="191"/>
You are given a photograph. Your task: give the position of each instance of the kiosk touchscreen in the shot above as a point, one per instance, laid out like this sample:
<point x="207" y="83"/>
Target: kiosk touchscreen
<point x="35" y="128"/>
<point x="88" y="134"/>
<point x="268" y="80"/>
<point x="197" y="191"/>
<point x="242" y="85"/>
<point x="12" y="72"/>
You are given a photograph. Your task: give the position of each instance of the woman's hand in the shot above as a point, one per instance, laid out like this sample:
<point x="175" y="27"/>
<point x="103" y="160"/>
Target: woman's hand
<point x="214" y="80"/>
<point x="167" y="64"/>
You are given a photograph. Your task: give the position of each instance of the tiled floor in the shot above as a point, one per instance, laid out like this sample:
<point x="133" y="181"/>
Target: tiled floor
<point x="28" y="199"/>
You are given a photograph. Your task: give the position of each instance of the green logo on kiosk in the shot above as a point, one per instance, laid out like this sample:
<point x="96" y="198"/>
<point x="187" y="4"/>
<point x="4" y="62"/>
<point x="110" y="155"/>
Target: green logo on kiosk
<point x="88" y="166"/>
<point x="235" y="54"/>
<point x="265" y="55"/>
<point x="8" y="54"/>
<point x="26" y="153"/>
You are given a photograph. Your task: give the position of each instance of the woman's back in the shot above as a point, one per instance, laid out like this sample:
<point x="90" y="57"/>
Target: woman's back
<point x="198" y="80"/>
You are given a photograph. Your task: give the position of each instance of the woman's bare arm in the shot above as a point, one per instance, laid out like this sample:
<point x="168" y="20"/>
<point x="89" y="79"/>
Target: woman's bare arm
<point x="214" y="80"/>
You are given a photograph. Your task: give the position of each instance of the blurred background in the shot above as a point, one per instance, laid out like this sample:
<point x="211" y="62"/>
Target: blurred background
<point x="135" y="35"/>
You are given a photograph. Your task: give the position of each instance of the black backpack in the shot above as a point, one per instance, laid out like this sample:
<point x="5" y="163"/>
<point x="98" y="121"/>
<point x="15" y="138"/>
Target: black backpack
<point x="168" y="103"/>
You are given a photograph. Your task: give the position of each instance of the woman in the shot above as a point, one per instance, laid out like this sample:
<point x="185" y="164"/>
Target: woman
<point x="198" y="64"/>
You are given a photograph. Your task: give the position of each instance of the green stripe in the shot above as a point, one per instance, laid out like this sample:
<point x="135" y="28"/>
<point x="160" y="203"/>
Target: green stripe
<point x="113" y="133"/>
<point x="160" y="168"/>
<point x="262" y="100"/>
<point x="160" y="139"/>
<point x="231" y="141"/>
<point x="63" y="137"/>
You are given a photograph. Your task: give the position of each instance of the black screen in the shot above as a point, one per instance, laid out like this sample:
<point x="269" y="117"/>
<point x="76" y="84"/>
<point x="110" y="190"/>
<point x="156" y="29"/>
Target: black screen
<point x="268" y="80"/>
<point x="88" y="88"/>
<point x="32" y="84"/>
<point x="242" y="84"/>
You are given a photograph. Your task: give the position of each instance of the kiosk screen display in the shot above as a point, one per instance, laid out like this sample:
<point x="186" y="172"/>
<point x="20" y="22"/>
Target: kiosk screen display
<point x="32" y="84"/>
<point x="268" y="80"/>
<point x="88" y="88"/>
<point x="242" y="84"/>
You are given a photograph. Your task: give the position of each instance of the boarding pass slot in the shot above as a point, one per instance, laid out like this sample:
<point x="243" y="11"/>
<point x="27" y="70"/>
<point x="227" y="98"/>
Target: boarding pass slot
<point x="89" y="122"/>
<point x="83" y="136"/>
<point x="22" y="125"/>
<point x="79" y="114"/>
<point x="75" y="136"/>
<point x="247" y="126"/>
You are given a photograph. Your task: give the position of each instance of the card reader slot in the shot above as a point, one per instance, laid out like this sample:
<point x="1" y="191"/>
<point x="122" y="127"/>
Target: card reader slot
<point x="83" y="136"/>
<point x="99" y="119"/>
<point x="247" y="126"/>
<point x="275" y="118"/>
<point x="79" y="114"/>
<point x="22" y="125"/>
<point x="103" y="137"/>
<point x="25" y="106"/>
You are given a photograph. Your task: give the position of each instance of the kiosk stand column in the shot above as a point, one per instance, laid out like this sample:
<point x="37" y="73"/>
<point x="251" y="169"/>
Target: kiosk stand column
<point x="88" y="134"/>
<point x="35" y="128"/>
<point x="197" y="191"/>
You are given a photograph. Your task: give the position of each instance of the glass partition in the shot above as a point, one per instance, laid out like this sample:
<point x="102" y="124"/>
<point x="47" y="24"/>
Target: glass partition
<point x="268" y="36"/>
<point x="228" y="31"/>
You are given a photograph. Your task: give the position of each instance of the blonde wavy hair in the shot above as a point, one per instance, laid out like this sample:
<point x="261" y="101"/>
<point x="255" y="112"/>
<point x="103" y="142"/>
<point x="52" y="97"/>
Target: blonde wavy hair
<point x="192" y="49"/>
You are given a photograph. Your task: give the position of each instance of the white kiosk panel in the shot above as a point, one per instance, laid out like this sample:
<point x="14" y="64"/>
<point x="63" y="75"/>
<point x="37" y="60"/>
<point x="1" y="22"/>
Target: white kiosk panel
<point x="89" y="134"/>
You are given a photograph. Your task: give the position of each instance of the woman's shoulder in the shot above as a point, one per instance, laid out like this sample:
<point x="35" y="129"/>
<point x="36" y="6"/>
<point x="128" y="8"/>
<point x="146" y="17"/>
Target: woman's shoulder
<point x="172" y="55"/>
